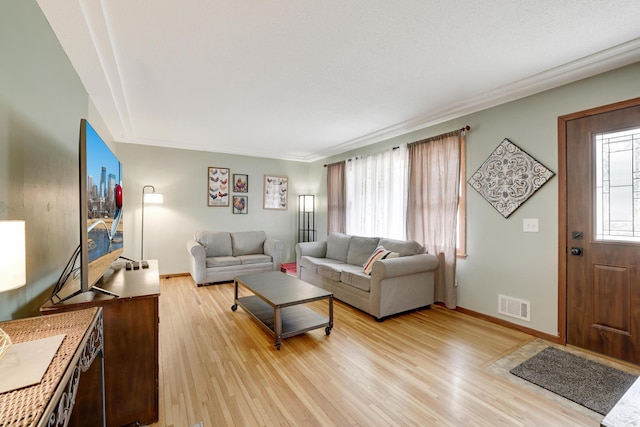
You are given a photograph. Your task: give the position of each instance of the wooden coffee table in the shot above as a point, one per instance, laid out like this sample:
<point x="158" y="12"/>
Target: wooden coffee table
<point x="278" y="302"/>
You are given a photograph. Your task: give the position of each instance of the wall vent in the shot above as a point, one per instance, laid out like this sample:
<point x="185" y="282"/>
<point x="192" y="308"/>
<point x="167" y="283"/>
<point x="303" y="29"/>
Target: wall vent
<point x="514" y="307"/>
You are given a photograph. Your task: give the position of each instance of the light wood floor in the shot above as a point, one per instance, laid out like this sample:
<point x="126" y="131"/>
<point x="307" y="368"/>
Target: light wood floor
<point x="427" y="368"/>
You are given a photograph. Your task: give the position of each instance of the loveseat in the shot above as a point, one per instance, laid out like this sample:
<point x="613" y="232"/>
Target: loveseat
<point x="379" y="276"/>
<point x="219" y="256"/>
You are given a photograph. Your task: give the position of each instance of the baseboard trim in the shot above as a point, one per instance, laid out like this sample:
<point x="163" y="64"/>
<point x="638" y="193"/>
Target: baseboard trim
<point x="554" y="339"/>
<point x="170" y="276"/>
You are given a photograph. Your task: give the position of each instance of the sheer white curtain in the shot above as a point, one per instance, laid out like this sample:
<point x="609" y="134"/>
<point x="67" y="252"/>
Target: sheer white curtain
<point x="376" y="193"/>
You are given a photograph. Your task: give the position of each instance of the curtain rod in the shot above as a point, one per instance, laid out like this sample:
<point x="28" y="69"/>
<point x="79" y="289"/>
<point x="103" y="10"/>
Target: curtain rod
<point x="464" y="129"/>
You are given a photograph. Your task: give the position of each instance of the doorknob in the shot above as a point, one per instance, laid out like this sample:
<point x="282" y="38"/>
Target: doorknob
<point x="576" y="251"/>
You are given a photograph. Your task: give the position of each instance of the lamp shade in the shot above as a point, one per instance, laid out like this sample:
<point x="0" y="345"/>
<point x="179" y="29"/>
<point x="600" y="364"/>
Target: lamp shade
<point x="153" y="198"/>
<point x="12" y="255"/>
<point x="306" y="203"/>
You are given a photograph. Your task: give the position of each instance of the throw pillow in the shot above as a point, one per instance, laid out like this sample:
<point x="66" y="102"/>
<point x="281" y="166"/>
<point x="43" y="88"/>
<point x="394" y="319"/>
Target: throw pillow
<point x="377" y="255"/>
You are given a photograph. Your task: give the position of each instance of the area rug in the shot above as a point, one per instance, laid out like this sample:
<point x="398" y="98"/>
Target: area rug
<point x="588" y="383"/>
<point x="291" y="268"/>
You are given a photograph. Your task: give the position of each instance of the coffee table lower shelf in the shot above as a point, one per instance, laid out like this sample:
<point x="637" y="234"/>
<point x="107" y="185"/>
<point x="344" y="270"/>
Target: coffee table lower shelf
<point x="295" y="319"/>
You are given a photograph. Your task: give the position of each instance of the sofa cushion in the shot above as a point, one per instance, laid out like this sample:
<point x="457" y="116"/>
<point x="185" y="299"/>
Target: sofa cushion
<point x="215" y="243"/>
<point x="254" y="259"/>
<point x="338" y="246"/>
<point x="248" y="242"/>
<point x="330" y="271"/>
<point x="353" y="276"/>
<point x="312" y="263"/>
<point x="309" y="263"/>
<point x="360" y="249"/>
<point x="222" y="261"/>
<point x="403" y="247"/>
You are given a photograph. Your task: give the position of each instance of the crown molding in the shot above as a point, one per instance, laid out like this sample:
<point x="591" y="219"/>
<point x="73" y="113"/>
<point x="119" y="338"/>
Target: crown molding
<point x="597" y="63"/>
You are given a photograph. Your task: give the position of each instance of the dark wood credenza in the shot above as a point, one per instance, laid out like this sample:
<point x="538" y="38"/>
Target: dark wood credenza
<point x="130" y="347"/>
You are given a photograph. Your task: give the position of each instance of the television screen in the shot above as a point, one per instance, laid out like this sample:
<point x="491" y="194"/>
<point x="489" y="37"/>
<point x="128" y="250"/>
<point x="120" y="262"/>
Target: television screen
<point x="101" y="225"/>
<point x="100" y="204"/>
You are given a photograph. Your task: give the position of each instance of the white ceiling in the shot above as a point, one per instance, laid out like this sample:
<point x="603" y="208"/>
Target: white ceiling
<point x="306" y="79"/>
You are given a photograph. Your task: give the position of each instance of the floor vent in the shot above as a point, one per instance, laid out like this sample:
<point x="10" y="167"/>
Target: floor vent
<point x="514" y="307"/>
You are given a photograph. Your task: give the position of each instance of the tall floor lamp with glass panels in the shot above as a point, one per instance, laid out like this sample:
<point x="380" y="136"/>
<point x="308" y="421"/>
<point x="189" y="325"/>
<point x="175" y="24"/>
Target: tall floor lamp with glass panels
<point x="306" y="218"/>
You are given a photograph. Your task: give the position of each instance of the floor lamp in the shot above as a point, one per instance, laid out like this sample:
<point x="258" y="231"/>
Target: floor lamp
<point x="148" y="198"/>
<point x="306" y="218"/>
<point x="12" y="265"/>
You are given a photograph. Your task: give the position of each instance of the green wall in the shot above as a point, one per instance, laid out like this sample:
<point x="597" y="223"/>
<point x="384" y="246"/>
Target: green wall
<point x="41" y="103"/>
<point x="502" y="259"/>
<point x="181" y="176"/>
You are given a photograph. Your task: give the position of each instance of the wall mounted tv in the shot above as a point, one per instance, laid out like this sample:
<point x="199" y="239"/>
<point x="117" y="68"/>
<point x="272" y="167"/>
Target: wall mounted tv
<point x="101" y="225"/>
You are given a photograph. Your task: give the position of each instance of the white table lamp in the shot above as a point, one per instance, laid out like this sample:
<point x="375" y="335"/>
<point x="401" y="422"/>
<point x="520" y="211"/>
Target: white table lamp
<point x="12" y="265"/>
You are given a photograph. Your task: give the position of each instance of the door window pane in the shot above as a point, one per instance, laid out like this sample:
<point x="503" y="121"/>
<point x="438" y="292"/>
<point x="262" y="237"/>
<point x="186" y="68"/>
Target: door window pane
<point x="617" y="197"/>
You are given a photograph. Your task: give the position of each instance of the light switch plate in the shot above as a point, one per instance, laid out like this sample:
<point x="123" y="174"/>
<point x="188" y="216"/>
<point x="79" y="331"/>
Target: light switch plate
<point x="530" y="225"/>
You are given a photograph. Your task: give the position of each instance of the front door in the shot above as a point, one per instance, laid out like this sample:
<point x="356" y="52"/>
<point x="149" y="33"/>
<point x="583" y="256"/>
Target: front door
<point x="603" y="230"/>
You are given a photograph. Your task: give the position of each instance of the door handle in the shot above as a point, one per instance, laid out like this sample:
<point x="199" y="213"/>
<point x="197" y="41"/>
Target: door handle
<point x="576" y="251"/>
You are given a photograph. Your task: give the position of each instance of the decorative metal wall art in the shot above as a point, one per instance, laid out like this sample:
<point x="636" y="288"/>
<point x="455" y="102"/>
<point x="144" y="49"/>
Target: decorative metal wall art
<point x="509" y="177"/>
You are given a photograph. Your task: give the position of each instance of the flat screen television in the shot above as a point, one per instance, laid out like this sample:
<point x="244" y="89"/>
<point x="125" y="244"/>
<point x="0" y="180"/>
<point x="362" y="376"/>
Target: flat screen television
<point x="101" y="224"/>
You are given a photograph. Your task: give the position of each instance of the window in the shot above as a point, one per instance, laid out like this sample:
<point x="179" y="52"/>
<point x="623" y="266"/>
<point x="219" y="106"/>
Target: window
<point x="375" y="196"/>
<point x="376" y="188"/>
<point x="617" y="157"/>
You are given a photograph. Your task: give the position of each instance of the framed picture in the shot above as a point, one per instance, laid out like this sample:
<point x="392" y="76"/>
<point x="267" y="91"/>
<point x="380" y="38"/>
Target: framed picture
<point x="218" y="186"/>
<point x="240" y="204"/>
<point x="275" y="192"/>
<point x="240" y="183"/>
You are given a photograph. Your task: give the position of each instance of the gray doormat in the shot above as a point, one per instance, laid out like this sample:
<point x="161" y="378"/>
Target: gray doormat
<point x="588" y="383"/>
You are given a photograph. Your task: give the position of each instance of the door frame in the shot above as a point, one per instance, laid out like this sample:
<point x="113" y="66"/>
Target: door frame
<point x="562" y="204"/>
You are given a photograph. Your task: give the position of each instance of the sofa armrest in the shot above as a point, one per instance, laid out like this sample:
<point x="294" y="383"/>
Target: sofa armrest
<point x="196" y="250"/>
<point x="314" y="249"/>
<point x="273" y="248"/>
<point x="394" y="267"/>
<point x="197" y="261"/>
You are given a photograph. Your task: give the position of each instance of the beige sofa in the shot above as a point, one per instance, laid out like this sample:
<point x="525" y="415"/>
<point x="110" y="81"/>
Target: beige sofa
<point x="401" y="282"/>
<point x="219" y="256"/>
